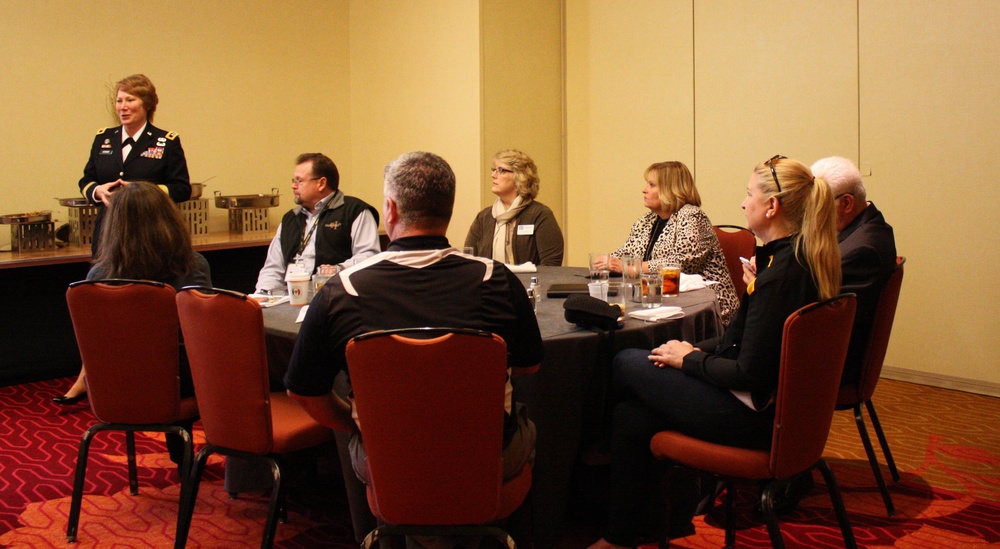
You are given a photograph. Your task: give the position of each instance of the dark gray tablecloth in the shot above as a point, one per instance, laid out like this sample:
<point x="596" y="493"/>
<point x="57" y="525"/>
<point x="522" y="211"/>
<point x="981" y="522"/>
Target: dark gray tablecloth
<point x="563" y="397"/>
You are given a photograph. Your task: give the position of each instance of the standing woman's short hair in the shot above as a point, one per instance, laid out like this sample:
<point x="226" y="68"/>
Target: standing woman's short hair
<point x="675" y="185"/>
<point x="144" y="236"/>
<point x="525" y="171"/>
<point x="142" y="87"/>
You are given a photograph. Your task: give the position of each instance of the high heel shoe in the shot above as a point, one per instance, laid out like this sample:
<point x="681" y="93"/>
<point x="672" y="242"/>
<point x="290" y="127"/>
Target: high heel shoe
<point x="64" y="400"/>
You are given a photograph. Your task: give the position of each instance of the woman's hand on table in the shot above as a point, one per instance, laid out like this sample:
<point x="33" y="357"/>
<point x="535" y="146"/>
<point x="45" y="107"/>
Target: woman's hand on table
<point x="614" y="264"/>
<point x="671" y="354"/>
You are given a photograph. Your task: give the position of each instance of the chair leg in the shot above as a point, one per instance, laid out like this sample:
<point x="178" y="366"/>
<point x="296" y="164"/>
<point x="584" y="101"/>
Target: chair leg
<point x="838" y="504"/>
<point x="770" y="518"/>
<point x="730" y="515"/>
<point x="189" y="495"/>
<point x="882" y="440"/>
<point x="133" y="476"/>
<point x="277" y="500"/>
<point x="873" y="461"/>
<point x="76" y="501"/>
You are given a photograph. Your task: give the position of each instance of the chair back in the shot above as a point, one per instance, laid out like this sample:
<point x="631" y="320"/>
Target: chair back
<point x="813" y="349"/>
<point x="736" y="242"/>
<point x="429" y="402"/>
<point x="224" y="335"/>
<point x="878" y="341"/>
<point x="127" y="334"/>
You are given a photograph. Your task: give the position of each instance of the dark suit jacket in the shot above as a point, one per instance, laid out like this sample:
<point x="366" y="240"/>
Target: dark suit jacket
<point x="868" y="257"/>
<point x="156" y="157"/>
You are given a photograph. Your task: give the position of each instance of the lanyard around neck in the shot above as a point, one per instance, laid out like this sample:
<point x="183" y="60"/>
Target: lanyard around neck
<point x="308" y="235"/>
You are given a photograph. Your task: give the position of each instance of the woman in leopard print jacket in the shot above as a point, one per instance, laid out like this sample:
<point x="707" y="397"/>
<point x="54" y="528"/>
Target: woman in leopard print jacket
<point x="675" y="230"/>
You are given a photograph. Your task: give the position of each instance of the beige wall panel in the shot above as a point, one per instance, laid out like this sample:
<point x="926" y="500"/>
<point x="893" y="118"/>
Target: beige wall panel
<point x="247" y="85"/>
<point x="415" y="86"/>
<point x="522" y="91"/>
<point x="629" y="104"/>
<point x="771" y="77"/>
<point x="929" y="134"/>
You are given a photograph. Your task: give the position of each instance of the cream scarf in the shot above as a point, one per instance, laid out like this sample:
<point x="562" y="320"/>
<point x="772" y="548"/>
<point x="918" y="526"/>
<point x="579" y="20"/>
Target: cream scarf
<point x="503" y="243"/>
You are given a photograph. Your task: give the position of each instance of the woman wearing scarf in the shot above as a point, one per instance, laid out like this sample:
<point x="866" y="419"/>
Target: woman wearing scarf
<point x="516" y="229"/>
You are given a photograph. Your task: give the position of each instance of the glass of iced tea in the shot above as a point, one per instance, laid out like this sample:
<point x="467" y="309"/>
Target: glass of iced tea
<point x="671" y="273"/>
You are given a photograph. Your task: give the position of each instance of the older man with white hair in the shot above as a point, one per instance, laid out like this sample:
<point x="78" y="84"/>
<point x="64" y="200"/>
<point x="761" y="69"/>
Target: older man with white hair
<point x="867" y="249"/>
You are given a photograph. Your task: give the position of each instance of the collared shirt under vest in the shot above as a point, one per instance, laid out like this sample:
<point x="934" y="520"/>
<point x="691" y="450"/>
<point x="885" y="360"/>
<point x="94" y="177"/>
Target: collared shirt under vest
<point x="333" y="233"/>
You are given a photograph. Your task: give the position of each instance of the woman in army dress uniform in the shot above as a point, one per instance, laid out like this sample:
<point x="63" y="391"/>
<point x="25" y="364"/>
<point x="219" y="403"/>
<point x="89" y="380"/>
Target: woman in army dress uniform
<point x="134" y="151"/>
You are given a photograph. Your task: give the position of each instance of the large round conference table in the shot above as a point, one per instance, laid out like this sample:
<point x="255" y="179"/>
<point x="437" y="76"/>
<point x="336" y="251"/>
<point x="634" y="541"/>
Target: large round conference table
<point x="565" y="397"/>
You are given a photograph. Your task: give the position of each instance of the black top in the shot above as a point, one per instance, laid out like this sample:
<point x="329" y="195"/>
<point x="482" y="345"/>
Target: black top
<point x="748" y="355"/>
<point x="419" y="281"/>
<point x="156" y="157"/>
<point x="868" y="257"/>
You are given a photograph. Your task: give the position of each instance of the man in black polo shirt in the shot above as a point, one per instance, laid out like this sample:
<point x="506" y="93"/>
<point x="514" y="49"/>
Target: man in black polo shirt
<point x="327" y="228"/>
<point x="419" y="281"/>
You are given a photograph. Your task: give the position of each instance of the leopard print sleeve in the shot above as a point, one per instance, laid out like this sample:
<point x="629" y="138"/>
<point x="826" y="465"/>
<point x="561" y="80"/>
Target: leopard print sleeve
<point x="689" y="239"/>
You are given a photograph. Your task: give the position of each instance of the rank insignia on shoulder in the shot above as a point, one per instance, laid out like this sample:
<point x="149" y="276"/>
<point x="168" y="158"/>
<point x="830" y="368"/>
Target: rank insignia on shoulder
<point x="171" y="135"/>
<point x="334" y="225"/>
<point x="102" y="130"/>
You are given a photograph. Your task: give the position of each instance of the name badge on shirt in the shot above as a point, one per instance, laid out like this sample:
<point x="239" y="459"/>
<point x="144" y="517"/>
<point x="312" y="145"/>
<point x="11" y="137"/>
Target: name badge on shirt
<point x="523" y="230"/>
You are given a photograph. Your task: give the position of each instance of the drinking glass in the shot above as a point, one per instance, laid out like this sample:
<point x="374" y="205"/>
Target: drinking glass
<point x="650" y="289"/>
<point x="616" y="297"/>
<point x="599" y="266"/>
<point x="671" y="273"/>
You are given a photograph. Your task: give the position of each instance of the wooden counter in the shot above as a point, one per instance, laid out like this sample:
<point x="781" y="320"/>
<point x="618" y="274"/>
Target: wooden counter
<point x="81" y="254"/>
<point x="36" y="333"/>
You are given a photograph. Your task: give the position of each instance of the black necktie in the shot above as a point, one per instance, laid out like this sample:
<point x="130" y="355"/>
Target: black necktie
<point x="128" y="141"/>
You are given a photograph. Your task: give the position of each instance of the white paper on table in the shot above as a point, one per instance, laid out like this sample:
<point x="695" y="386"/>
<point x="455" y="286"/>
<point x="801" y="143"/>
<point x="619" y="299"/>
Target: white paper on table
<point x="690" y="282"/>
<point x="528" y="267"/>
<point x="657" y="313"/>
<point x="302" y="314"/>
<point x="268" y="300"/>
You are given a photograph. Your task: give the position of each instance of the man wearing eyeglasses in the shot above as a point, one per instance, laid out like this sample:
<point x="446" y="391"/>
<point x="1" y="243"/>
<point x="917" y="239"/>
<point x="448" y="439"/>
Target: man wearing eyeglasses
<point x="326" y="228"/>
<point x="867" y="249"/>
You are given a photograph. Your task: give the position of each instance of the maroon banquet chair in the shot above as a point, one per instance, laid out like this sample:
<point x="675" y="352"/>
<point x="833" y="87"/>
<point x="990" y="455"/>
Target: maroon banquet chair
<point x="736" y="242"/>
<point x="855" y="392"/>
<point x="224" y="336"/>
<point x="429" y="402"/>
<point x="813" y="349"/>
<point x="127" y="333"/>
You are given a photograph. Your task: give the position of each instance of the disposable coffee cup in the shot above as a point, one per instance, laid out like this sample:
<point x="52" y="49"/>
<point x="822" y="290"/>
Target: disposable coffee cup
<point x="298" y="288"/>
<point x="598" y="290"/>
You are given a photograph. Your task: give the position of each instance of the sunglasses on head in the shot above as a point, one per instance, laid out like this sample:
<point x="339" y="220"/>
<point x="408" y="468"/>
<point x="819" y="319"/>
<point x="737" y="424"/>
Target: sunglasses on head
<point x="770" y="164"/>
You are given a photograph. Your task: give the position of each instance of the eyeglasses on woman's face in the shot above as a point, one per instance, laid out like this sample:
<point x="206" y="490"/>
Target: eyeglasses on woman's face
<point x="498" y="169"/>
<point x="770" y="164"/>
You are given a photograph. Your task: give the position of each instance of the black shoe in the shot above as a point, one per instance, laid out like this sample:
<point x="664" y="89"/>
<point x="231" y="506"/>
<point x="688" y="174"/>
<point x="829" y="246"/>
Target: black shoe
<point x="64" y="400"/>
<point x="786" y="500"/>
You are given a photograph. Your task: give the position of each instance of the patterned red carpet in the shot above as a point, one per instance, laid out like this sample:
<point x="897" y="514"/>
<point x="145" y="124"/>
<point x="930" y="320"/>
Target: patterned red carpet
<point x="946" y="445"/>
<point x="37" y="460"/>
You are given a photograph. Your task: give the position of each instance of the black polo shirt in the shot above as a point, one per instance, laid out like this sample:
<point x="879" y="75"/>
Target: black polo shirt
<point x="419" y="281"/>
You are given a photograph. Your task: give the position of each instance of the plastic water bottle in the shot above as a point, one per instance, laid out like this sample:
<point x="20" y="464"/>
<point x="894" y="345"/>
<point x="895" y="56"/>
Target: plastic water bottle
<point x="535" y="291"/>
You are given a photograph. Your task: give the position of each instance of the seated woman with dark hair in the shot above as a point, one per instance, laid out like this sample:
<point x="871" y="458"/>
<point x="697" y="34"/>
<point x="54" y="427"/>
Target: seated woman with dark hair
<point x="144" y="237"/>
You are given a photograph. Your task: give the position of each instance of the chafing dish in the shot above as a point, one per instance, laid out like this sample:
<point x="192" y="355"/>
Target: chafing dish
<point x="31" y="217"/>
<point x="247" y="200"/>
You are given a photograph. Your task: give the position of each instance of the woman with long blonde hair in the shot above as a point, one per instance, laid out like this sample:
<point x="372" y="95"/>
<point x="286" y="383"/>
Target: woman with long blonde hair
<point x="722" y="390"/>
